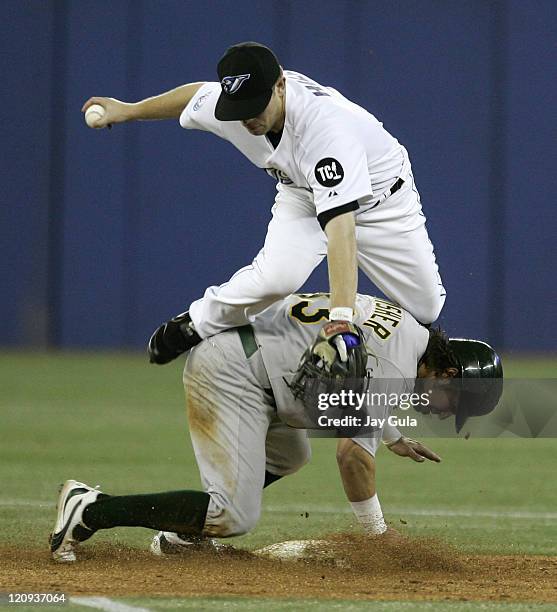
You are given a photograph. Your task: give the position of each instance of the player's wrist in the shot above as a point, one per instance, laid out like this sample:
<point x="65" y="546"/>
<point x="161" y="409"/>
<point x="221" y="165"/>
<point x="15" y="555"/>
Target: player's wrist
<point x="341" y="313"/>
<point x="134" y="111"/>
<point x="390" y="443"/>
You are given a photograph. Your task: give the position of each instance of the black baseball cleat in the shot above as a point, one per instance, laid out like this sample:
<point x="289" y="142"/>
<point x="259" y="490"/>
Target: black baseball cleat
<point x="69" y="529"/>
<point x="172" y="339"/>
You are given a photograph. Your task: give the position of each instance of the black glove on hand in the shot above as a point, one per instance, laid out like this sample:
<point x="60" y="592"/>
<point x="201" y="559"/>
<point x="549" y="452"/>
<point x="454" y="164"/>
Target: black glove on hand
<point x="172" y="339"/>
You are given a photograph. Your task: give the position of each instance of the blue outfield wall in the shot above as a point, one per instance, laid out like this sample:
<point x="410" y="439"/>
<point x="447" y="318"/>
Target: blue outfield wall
<point x="107" y="233"/>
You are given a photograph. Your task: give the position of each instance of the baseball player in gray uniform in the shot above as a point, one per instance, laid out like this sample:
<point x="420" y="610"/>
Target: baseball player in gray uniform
<point x="345" y="190"/>
<point x="240" y="412"/>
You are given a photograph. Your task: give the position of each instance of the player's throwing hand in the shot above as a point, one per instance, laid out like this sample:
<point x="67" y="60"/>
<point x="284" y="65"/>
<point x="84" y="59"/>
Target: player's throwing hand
<point x="114" y="110"/>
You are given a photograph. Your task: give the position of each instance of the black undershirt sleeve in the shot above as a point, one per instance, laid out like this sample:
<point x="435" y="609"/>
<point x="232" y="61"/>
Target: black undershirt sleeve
<point x="326" y="216"/>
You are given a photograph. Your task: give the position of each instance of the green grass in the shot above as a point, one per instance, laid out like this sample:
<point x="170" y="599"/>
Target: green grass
<point x="529" y="367"/>
<point x="112" y="419"/>
<point x="242" y="604"/>
<point x="256" y="605"/>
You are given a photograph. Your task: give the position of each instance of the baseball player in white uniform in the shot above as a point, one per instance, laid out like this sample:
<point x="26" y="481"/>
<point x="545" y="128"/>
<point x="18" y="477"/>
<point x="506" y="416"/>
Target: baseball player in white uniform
<point x="345" y="190"/>
<point x="239" y="410"/>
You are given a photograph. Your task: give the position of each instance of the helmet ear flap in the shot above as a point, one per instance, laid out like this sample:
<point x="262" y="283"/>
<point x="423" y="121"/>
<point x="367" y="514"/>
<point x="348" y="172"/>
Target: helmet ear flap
<point x="481" y="374"/>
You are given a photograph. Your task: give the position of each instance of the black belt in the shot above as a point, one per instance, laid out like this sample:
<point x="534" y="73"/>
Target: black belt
<point x="250" y="346"/>
<point x="394" y="188"/>
<point x="247" y="337"/>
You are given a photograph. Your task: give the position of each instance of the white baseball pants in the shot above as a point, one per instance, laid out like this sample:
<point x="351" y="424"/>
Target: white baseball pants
<point x="394" y="251"/>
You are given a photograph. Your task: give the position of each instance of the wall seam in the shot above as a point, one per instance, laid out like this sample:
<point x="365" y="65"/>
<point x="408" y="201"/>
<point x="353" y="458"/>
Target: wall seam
<point x="132" y="199"/>
<point x="497" y="187"/>
<point x="56" y="190"/>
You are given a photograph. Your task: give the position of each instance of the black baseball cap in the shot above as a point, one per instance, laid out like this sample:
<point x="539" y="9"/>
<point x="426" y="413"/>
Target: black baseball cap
<point x="247" y="73"/>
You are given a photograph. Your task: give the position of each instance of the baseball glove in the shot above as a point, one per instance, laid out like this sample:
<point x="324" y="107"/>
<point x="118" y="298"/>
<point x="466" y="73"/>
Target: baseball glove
<point x="336" y="361"/>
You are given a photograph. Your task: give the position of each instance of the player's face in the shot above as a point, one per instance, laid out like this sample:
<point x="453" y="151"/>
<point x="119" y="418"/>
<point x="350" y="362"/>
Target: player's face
<point x="272" y="118"/>
<point x="443" y="393"/>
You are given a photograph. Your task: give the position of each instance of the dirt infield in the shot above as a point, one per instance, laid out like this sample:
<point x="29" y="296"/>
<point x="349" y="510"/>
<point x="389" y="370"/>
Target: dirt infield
<point x="399" y="569"/>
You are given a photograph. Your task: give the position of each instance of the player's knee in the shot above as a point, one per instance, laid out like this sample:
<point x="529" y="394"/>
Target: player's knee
<point x="429" y="310"/>
<point x="352" y="458"/>
<point x="299" y="456"/>
<point x="235" y="523"/>
<point x="289" y="463"/>
<point x="228" y="520"/>
<point x="243" y="522"/>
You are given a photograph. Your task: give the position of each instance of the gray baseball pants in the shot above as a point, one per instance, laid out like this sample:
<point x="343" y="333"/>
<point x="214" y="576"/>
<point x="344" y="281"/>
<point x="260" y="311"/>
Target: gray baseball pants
<point x="235" y="432"/>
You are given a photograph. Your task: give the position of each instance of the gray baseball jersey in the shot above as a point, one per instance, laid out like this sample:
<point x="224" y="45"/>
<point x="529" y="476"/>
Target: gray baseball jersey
<point x="395" y="340"/>
<point x="239" y="404"/>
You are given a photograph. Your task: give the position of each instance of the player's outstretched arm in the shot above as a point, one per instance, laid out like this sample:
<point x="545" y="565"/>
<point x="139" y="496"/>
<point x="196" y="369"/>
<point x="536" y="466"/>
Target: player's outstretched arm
<point x="342" y="262"/>
<point x="168" y="105"/>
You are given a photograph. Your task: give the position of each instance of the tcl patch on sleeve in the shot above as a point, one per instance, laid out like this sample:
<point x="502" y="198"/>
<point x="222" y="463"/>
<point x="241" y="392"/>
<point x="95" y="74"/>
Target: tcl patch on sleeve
<point x="329" y="172"/>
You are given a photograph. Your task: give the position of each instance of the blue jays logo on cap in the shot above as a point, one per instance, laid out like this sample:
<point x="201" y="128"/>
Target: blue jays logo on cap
<point x="231" y="84"/>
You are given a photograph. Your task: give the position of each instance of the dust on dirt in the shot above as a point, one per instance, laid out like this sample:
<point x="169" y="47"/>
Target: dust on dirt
<point x="392" y="568"/>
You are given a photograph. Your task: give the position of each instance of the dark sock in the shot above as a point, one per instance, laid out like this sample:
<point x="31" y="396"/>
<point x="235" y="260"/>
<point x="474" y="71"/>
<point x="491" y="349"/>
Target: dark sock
<point x="270" y="478"/>
<point x="180" y="511"/>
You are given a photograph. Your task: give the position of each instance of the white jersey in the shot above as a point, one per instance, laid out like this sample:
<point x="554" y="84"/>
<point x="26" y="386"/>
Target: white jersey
<point x="395" y="340"/>
<point x="330" y="146"/>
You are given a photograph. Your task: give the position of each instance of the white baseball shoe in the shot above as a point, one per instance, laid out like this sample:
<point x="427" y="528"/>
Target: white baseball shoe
<point x="69" y="529"/>
<point x="167" y="543"/>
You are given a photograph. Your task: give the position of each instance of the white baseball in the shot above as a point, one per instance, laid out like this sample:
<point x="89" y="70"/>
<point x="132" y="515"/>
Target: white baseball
<point x="93" y="114"/>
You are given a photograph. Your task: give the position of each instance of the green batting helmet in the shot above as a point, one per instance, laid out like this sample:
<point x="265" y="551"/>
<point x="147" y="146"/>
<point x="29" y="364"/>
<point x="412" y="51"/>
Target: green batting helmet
<point x="481" y="375"/>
